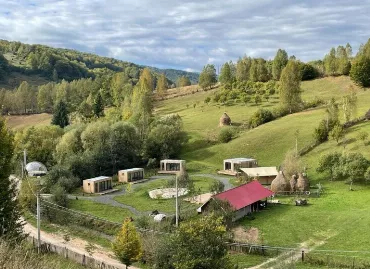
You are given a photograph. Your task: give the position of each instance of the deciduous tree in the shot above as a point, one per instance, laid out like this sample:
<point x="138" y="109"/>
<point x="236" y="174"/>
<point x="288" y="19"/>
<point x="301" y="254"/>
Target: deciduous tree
<point x="280" y="61"/>
<point x="290" y="90"/>
<point x="337" y="133"/>
<point x="201" y="244"/>
<point x="162" y="85"/>
<point x="207" y="77"/>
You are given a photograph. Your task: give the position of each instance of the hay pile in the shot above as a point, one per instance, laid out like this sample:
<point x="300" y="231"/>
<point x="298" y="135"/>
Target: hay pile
<point x="280" y="184"/>
<point x="293" y="183"/>
<point x="225" y="120"/>
<point x="303" y="184"/>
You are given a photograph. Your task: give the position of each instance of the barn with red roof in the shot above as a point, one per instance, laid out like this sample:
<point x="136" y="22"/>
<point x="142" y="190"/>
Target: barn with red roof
<point x="244" y="199"/>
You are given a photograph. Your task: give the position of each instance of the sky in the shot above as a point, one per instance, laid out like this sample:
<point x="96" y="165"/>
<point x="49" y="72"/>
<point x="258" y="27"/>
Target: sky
<point x="188" y="34"/>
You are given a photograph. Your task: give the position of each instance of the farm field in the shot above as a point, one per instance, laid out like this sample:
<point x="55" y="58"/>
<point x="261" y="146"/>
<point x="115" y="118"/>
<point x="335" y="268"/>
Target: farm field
<point x="26" y="121"/>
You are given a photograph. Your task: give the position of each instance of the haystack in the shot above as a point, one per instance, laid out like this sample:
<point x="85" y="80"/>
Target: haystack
<point x="303" y="184"/>
<point x="280" y="184"/>
<point x="293" y="183"/>
<point x="225" y="120"/>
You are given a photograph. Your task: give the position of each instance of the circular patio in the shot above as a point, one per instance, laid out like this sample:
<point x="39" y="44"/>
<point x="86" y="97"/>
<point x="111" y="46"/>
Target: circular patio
<point x="167" y="193"/>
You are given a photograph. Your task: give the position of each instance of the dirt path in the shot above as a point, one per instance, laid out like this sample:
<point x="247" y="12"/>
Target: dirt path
<point x="76" y="245"/>
<point x="108" y="199"/>
<point x="290" y="256"/>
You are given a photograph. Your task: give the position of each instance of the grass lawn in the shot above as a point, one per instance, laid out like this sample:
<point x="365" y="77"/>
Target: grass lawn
<point x="140" y="199"/>
<point x="112" y="213"/>
<point x="246" y="260"/>
<point x="339" y="217"/>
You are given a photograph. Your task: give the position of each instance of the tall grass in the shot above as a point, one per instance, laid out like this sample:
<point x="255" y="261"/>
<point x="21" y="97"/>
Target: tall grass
<point x="24" y="257"/>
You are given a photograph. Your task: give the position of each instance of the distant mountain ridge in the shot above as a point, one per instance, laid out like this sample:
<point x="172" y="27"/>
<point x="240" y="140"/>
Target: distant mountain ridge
<point x="58" y="63"/>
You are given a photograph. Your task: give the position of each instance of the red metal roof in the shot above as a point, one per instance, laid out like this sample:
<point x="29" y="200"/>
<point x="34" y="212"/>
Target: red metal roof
<point x="244" y="195"/>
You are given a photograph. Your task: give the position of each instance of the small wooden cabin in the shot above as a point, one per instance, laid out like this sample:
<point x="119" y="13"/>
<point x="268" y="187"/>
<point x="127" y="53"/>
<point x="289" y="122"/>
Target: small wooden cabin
<point x="232" y="166"/>
<point x="97" y="184"/>
<point x="130" y="175"/>
<point x="264" y="175"/>
<point x="171" y="166"/>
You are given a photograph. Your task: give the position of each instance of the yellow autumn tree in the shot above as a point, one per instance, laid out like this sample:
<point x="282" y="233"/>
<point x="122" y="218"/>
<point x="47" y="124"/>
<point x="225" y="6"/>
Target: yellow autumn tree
<point x="162" y="85"/>
<point x="127" y="245"/>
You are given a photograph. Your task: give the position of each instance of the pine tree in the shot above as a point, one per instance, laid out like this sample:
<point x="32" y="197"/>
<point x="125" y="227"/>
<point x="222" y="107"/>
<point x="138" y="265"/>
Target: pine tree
<point x="162" y="85"/>
<point x="280" y="61"/>
<point x="60" y="115"/>
<point x="127" y="245"/>
<point x="11" y="226"/>
<point x="98" y="106"/>
<point x="290" y="81"/>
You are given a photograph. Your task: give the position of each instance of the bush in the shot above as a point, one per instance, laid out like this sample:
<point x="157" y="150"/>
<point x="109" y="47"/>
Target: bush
<point x="69" y="183"/>
<point x="321" y="133"/>
<point x="59" y="196"/>
<point x="261" y="116"/>
<point x="279" y="112"/>
<point x="225" y="135"/>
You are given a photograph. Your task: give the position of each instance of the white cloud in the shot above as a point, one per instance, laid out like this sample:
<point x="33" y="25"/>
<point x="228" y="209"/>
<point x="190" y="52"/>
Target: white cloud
<point x="187" y="34"/>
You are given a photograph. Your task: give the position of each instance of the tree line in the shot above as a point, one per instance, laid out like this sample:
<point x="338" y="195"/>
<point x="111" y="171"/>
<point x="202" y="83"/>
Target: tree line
<point x="339" y="61"/>
<point x="80" y="96"/>
<point x="57" y="64"/>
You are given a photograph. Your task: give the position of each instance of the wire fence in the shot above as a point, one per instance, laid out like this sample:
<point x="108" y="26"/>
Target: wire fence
<point x="333" y="258"/>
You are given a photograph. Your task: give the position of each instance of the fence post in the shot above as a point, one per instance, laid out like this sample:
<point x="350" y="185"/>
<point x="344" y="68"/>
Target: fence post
<point x="302" y="255"/>
<point x="353" y="263"/>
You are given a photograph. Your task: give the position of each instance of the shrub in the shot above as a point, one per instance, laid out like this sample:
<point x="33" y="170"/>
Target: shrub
<point x="225" y="135"/>
<point x="261" y="116"/>
<point x="321" y="133"/>
<point x="279" y="112"/>
<point x="59" y="196"/>
<point x="363" y="136"/>
<point x="68" y="183"/>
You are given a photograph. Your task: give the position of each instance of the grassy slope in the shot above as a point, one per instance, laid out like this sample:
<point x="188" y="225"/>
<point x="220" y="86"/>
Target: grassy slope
<point x="24" y="121"/>
<point x="268" y="143"/>
<point x="340" y="216"/>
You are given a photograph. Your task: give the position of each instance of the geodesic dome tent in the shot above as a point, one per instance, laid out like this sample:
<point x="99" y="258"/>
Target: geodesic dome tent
<point x="36" y="169"/>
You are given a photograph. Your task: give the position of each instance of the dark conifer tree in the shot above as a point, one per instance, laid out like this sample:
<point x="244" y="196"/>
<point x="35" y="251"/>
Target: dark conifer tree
<point x="60" y="115"/>
<point x="11" y="226"/>
<point x="98" y="106"/>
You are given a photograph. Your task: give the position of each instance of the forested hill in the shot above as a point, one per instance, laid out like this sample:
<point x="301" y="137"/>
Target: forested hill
<point x="54" y="64"/>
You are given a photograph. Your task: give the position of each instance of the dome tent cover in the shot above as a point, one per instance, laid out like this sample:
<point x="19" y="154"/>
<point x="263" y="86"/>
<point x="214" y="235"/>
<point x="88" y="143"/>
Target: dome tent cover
<point x="36" y="169"/>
